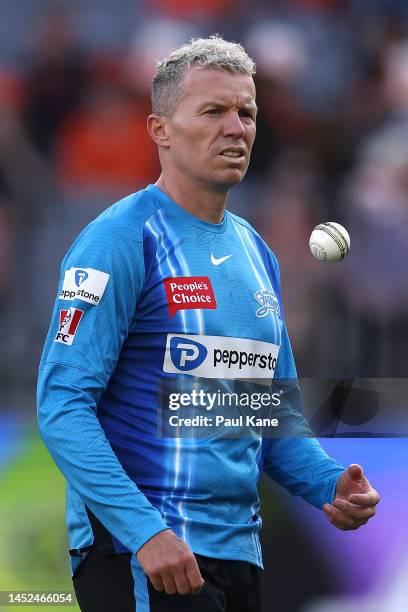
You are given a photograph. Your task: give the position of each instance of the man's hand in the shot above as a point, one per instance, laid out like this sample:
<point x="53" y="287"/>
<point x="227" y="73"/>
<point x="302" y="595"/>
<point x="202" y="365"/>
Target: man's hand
<point x="170" y="564"/>
<point x="354" y="502"/>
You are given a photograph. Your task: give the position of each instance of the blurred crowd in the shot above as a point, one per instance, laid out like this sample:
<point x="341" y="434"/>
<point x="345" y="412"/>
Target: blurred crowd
<point x="332" y="144"/>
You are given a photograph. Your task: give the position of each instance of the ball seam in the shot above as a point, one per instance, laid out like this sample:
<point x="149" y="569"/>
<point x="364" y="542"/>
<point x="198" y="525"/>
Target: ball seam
<point x="339" y="242"/>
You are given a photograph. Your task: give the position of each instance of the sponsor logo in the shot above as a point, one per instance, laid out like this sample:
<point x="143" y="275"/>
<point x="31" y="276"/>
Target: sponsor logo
<point x="220" y="357"/>
<point x="84" y="284"/>
<point x="186" y="292"/>
<point x="186" y="354"/>
<point x="220" y="260"/>
<point x="80" y="277"/>
<point x="68" y="324"/>
<point x="268" y="301"/>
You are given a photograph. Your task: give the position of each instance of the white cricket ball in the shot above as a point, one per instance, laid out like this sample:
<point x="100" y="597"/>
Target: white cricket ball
<point x="329" y="242"/>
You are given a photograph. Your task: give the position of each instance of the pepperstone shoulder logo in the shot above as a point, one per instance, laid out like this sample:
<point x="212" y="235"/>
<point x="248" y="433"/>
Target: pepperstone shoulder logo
<point x="68" y="324"/>
<point x="84" y="284"/>
<point x="268" y="301"/>
<point x="80" y="277"/>
<point x="220" y="357"/>
<point x="186" y="292"/>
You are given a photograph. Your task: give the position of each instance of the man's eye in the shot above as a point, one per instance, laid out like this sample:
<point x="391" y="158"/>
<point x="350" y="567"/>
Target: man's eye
<point x="214" y="111"/>
<point x="247" y="114"/>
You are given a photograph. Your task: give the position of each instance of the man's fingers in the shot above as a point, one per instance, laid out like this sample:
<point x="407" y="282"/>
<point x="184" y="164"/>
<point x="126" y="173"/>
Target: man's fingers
<point x="182" y="584"/>
<point x="194" y="576"/>
<point x="365" y="499"/>
<point x="169" y="584"/>
<point x="156" y="582"/>
<point x="170" y="564"/>
<point x="355" y="500"/>
<point x="183" y="581"/>
<point x="334" y="517"/>
<point x="333" y="513"/>
<point x="354" y="511"/>
<point x="341" y="520"/>
<point x="338" y="519"/>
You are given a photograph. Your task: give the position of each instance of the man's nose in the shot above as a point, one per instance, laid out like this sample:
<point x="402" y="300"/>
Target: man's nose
<point x="233" y="125"/>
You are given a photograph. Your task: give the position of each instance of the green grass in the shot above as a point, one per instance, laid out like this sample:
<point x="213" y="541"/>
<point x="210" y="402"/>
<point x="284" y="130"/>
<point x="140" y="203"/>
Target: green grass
<point x="33" y="539"/>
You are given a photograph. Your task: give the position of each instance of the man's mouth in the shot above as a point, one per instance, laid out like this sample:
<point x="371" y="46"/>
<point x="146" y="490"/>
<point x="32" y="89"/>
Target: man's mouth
<point x="234" y="153"/>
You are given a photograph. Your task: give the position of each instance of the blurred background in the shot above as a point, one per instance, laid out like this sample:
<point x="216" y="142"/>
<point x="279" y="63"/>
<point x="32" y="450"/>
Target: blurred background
<point x="332" y="144"/>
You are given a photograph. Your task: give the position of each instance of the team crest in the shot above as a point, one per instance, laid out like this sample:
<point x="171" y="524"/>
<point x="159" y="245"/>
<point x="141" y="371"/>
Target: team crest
<point x="268" y="301"/>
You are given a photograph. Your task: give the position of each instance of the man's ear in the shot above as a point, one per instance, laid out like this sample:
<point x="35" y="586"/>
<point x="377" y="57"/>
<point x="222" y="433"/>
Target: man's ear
<point x="158" y="129"/>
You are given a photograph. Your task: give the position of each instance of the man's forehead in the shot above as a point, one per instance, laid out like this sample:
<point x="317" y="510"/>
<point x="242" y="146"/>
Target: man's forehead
<point x="218" y="85"/>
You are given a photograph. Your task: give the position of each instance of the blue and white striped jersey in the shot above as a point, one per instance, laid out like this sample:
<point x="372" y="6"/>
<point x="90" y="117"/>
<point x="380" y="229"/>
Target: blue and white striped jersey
<point x="150" y="291"/>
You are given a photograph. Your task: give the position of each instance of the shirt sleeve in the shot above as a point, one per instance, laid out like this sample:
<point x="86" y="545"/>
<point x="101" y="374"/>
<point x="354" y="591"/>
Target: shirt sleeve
<point x="296" y="460"/>
<point x="101" y="278"/>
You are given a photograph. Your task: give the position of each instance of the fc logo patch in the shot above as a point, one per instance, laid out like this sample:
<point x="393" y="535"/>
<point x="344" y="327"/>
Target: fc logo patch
<point x="68" y="325"/>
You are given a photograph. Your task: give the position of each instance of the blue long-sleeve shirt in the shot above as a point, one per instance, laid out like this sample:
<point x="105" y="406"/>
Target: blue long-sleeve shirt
<point x="149" y="292"/>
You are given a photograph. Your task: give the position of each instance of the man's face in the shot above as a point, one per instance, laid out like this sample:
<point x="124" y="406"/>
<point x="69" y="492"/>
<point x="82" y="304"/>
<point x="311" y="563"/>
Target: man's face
<point x="212" y="130"/>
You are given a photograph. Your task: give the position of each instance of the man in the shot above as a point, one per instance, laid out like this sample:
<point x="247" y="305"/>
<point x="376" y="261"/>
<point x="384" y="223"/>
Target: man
<point x="166" y="284"/>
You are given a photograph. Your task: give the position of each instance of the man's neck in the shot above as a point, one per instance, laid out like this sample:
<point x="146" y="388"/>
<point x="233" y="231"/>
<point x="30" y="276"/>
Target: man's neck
<point x="208" y="205"/>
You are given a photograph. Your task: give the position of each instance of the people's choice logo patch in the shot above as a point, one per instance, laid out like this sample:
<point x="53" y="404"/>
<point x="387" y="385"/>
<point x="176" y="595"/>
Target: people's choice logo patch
<point x="84" y="284"/>
<point x="220" y="357"/>
<point x="68" y="324"/>
<point x="186" y="292"/>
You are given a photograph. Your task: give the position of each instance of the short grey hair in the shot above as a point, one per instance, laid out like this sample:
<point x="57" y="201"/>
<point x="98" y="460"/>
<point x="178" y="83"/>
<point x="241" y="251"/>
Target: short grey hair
<point x="212" y="52"/>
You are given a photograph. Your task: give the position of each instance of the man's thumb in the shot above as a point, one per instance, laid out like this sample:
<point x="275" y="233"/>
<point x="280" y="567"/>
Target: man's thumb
<point x="355" y="472"/>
